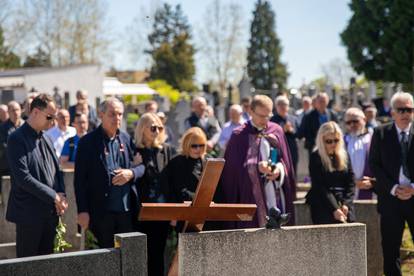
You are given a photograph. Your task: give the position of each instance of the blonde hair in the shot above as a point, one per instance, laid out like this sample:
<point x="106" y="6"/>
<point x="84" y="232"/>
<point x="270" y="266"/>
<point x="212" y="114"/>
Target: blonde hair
<point x="145" y="121"/>
<point x="192" y="135"/>
<point x="340" y="151"/>
<point x="262" y="101"/>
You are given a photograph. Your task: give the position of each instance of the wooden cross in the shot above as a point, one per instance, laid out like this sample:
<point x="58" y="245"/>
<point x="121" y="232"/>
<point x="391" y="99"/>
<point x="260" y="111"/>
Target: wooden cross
<point x="201" y="209"/>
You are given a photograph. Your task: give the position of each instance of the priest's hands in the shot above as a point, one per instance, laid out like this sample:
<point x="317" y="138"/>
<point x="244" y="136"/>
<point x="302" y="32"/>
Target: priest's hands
<point x="61" y="204"/>
<point x="83" y="220"/>
<point x="122" y="176"/>
<point x="271" y="174"/>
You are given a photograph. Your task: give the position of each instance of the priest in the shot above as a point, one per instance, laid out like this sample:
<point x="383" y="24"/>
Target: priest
<point x="258" y="167"/>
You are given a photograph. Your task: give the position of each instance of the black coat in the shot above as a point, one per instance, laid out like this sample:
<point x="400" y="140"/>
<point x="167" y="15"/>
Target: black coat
<point x="291" y="136"/>
<point x="385" y="162"/>
<point x="150" y="185"/>
<point x="330" y="190"/>
<point x="92" y="178"/>
<point x="31" y="198"/>
<point x="181" y="177"/>
<point x="310" y="125"/>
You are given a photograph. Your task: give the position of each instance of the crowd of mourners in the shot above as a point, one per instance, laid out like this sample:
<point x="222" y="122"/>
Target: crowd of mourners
<point x="351" y="154"/>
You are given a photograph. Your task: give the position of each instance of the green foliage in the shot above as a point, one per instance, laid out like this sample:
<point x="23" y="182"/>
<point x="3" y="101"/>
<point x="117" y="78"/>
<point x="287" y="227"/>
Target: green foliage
<point x="8" y="59"/>
<point x="90" y="240"/>
<point x="60" y="244"/>
<point x="165" y="90"/>
<point x="264" y="65"/>
<point x="171" y="51"/>
<point x="380" y="39"/>
<point x="39" y="59"/>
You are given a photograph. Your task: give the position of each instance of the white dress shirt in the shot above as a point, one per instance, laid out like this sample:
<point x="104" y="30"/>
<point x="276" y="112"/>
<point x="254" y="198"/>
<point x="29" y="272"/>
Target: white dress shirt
<point x="59" y="137"/>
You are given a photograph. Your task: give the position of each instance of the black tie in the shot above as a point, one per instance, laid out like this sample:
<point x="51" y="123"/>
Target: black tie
<point x="404" y="153"/>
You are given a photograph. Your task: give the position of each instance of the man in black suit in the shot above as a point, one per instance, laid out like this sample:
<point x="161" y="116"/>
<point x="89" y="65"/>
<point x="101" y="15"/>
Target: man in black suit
<point x="392" y="162"/>
<point x="314" y="119"/>
<point x="37" y="188"/>
<point x="105" y="177"/>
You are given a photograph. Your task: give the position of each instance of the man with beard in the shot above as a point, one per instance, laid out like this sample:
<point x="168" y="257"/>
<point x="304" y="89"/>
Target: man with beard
<point x="358" y="141"/>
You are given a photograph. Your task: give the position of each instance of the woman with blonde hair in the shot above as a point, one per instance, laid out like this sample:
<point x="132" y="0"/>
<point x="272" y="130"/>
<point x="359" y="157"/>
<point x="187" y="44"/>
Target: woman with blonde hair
<point x="330" y="197"/>
<point x="184" y="170"/>
<point x="155" y="154"/>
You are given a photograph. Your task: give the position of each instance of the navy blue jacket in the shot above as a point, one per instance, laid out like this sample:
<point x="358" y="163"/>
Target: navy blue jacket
<point x="31" y="198"/>
<point x="92" y="177"/>
<point x="310" y="125"/>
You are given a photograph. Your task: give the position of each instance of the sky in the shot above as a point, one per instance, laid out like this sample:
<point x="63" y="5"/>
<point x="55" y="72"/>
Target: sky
<point x="308" y="31"/>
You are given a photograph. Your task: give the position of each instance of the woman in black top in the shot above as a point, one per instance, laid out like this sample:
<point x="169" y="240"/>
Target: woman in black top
<point x="332" y="192"/>
<point x="155" y="153"/>
<point x="184" y="170"/>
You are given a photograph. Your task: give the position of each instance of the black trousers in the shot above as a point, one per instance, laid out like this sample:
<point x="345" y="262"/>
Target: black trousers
<point x="104" y="228"/>
<point x="392" y="228"/>
<point x="36" y="238"/>
<point x="157" y="233"/>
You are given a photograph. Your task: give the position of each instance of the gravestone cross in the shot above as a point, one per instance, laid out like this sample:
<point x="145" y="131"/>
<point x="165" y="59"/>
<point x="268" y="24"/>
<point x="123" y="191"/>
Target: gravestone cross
<point x="201" y="209"/>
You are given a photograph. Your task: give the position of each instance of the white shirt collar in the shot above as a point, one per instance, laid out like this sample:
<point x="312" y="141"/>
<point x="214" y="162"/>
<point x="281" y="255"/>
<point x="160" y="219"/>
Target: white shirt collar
<point x="406" y="130"/>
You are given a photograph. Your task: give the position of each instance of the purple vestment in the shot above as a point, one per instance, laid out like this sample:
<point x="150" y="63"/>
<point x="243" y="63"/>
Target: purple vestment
<point x="241" y="182"/>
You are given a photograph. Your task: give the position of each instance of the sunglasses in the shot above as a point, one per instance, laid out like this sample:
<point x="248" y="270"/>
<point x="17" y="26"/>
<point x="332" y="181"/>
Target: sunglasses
<point x="350" y="122"/>
<point x="155" y="128"/>
<point x="402" y="110"/>
<point x="331" y="141"/>
<point x="48" y="116"/>
<point x="196" y="146"/>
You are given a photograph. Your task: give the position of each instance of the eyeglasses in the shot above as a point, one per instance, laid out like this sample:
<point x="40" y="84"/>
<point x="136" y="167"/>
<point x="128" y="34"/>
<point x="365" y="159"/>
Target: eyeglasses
<point x="267" y="117"/>
<point x="350" y="122"/>
<point x="402" y="110"/>
<point x="331" y="141"/>
<point x="48" y="116"/>
<point x="196" y="146"/>
<point x="155" y="128"/>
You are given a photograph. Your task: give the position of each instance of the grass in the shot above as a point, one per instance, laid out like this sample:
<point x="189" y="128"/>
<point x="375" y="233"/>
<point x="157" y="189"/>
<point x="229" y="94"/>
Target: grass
<point x="407" y="248"/>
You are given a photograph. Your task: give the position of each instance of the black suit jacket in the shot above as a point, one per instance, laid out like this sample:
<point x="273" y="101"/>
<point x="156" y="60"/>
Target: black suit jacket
<point x="310" y="125"/>
<point x="385" y="162"/>
<point x="92" y="177"/>
<point x="31" y="199"/>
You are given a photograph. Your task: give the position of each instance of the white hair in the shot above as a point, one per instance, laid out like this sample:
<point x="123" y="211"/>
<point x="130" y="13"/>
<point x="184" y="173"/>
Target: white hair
<point x="401" y="96"/>
<point x="112" y="100"/>
<point x="199" y="99"/>
<point x="236" y="107"/>
<point x="281" y="99"/>
<point x="354" y="111"/>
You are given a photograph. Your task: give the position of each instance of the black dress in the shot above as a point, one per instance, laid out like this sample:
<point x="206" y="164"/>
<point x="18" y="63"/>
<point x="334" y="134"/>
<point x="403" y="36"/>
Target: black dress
<point x="151" y="190"/>
<point x="329" y="191"/>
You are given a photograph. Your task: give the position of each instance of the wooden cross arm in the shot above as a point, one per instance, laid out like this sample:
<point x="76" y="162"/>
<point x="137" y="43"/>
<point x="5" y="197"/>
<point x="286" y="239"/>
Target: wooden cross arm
<point x="186" y="212"/>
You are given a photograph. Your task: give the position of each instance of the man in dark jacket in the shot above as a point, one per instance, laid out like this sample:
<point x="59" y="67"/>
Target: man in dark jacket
<point x="37" y="188"/>
<point x="105" y="177"/>
<point x="289" y="125"/>
<point x="314" y="119"/>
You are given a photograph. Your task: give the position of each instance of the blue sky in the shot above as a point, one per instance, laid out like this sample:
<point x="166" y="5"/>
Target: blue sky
<point x="308" y="30"/>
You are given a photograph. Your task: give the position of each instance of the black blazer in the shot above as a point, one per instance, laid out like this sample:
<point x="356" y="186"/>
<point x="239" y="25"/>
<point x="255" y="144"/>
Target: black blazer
<point x="30" y="198"/>
<point x="330" y="189"/>
<point x="385" y="162"/>
<point x="150" y="185"/>
<point x="310" y="125"/>
<point x="290" y="137"/>
<point x="92" y="178"/>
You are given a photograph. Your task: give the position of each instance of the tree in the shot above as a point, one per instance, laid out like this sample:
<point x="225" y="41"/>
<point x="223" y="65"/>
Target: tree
<point x="8" y="59"/>
<point x="39" y="59"/>
<point x="379" y="39"/>
<point x="69" y="31"/>
<point x="170" y="49"/>
<point x="263" y="58"/>
<point x="220" y="43"/>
